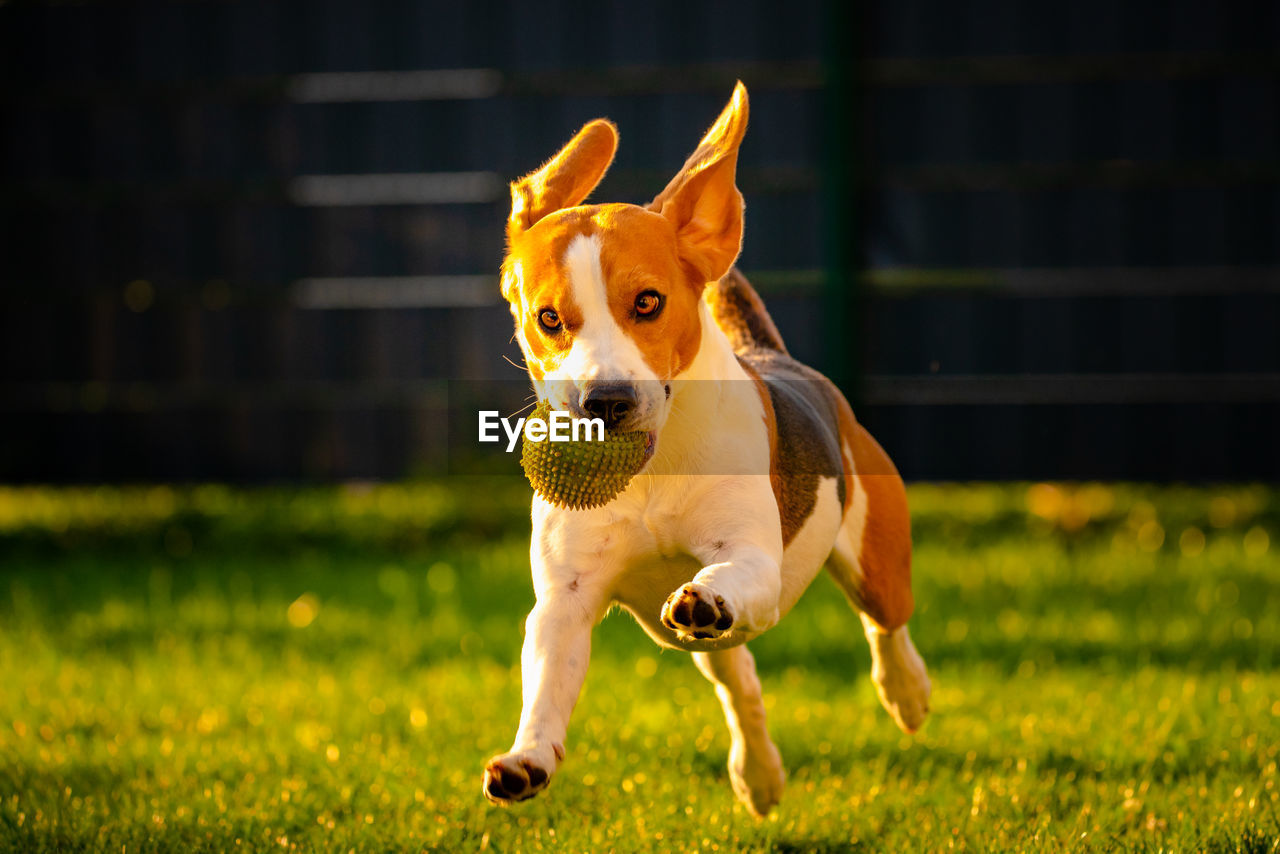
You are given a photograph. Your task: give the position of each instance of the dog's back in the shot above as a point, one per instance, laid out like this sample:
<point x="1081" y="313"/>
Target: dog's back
<point x="739" y="311"/>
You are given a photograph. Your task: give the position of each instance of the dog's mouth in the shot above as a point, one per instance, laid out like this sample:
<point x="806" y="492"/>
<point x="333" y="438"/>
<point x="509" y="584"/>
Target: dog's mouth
<point x="650" y="445"/>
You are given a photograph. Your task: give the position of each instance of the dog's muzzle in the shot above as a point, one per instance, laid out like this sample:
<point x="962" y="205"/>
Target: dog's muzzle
<point x="611" y="402"/>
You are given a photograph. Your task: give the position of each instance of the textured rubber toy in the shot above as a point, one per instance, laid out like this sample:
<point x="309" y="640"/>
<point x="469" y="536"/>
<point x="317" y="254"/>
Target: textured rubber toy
<point x="582" y="474"/>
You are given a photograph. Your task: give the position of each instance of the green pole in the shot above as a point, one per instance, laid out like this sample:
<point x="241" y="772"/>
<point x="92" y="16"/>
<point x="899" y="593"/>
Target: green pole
<point x="842" y="244"/>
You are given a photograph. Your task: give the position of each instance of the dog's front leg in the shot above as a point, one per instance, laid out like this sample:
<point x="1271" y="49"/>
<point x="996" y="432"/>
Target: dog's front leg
<point x="738" y="539"/>
<point x="553" y="663"/>
<point x="572" y="566"/>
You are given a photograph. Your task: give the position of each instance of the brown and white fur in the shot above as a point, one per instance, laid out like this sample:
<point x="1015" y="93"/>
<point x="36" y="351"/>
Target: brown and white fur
<point x="759" y="472"/>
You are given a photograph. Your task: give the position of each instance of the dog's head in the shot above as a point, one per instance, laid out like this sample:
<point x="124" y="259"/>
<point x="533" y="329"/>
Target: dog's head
<point x="605" y="297"/>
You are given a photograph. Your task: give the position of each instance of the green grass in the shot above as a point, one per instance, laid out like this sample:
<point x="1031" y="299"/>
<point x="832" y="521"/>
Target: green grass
<point x="209" y="669"/>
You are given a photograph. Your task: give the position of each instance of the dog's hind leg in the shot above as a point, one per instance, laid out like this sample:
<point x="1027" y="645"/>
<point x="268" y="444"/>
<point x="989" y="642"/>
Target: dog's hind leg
<point x="897" y="669"/>
<point x="871" y="562"/>
<point x="755" y="766"/>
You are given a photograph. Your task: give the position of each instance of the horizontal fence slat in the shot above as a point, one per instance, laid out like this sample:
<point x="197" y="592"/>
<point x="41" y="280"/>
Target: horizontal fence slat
<point x="1031" y="282"/>
<point x="366" y="86"/>
<point x="152" y="396"/>
<point x="1033" y="177"/>
<point x="1076" y="389"/>
<point x="367" y="189"/>
<point x="406" y="188"/>
<point x="396" y="292"/>
<point x="959" y="71"/>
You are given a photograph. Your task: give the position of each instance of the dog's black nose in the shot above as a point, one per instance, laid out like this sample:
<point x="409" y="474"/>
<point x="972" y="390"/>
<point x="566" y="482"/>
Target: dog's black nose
<point x="611" y="402"/>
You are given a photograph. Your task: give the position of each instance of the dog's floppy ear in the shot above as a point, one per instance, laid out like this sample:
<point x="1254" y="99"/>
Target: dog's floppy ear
<point x="564" y="180"/>
<point x="702" y="201"/>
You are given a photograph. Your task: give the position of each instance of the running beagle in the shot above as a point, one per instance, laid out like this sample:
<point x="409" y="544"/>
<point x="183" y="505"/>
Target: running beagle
<point x="757" y="472"/>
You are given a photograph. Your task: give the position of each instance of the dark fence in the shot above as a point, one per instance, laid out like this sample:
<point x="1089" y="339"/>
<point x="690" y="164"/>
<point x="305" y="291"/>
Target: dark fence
<point x="1072" y="238"/>
<point x="259" y="240"/>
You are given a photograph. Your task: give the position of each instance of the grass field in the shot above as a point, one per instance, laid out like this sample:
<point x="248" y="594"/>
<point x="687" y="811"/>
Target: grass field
<point x="207" y="669"/>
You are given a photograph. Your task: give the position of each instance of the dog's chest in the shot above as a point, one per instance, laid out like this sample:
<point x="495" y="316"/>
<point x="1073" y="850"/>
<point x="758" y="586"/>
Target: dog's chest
<point x="656" y="555"/>
<point x="660" y="526"/>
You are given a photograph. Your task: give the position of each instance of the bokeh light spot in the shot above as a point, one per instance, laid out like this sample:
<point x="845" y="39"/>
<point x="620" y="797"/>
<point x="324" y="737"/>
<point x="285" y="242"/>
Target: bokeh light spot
<point x="1191" y="542"/>
<point x="1256" y="541"/>
<point x="1150" y="536"/>
<point x="1045" y="500"/>
<point x="441" y="578"/>
<point x="1222" y="511"/>
<point x="138" y="295"/>
<point x="303" y="610"/>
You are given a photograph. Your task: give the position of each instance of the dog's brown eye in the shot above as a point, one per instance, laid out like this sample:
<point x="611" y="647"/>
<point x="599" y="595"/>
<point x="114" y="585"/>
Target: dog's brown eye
<point x="648" y="303"/>
<point x="549" y="319"/>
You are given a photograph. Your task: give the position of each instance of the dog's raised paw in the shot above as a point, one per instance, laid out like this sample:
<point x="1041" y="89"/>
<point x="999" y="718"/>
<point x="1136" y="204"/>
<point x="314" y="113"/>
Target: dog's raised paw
<point x="695" y="612"/>
<point x="514" y="777"/>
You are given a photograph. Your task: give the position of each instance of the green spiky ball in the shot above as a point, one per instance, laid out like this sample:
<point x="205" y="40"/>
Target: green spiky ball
<point x="582" y="474"/>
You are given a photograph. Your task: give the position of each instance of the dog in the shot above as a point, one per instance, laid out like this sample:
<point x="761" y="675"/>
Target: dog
<point x="756" y="472"/>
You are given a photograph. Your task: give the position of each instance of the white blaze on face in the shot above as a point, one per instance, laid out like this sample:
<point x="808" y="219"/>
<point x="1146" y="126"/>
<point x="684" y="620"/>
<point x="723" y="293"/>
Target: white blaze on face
<point x="601" y="350"/>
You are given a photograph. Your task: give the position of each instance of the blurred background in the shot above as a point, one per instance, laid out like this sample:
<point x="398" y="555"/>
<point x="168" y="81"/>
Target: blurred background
<point x="259" y="241"/>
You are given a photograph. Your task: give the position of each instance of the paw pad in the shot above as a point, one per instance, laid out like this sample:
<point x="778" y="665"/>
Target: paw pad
<point x="507" y="781"/>
<point x="695" y="613"/>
